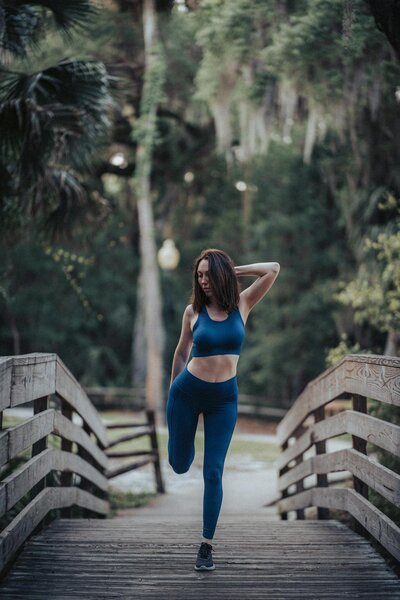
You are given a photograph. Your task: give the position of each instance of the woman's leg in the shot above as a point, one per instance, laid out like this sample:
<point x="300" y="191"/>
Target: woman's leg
<point x="219" y="424"/>
<point x="182" y="419"/>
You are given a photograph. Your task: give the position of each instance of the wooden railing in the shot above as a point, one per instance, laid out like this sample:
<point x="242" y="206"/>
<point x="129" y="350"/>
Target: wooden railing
<point x="305" y="426"/>
<point x="62" y="410"/>
<point x="140" y="429"/>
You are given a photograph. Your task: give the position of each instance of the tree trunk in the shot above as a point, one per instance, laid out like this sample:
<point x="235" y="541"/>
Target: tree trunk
<point x="16" y="338"/>
<point x="139" y="345"/>
<point x="145" y="129"/>
<point x="392" y="342"/>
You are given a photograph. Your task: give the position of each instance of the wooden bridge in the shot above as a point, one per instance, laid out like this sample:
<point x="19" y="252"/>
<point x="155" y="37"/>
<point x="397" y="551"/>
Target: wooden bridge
<point x="152" y="555"/>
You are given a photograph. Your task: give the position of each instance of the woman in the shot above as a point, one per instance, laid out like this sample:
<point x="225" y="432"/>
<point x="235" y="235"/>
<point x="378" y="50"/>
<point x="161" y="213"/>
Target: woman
<point x="214" y="325"/>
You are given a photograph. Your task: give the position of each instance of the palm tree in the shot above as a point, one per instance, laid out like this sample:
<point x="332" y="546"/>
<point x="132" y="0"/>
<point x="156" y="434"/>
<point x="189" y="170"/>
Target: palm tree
<point x="50" y="120"/>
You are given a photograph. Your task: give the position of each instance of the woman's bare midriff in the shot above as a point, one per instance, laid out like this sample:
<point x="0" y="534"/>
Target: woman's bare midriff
<point x="214" y="368"/>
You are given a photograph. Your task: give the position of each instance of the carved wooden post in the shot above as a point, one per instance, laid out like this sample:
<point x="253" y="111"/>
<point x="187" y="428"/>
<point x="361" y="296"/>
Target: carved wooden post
<point x="359" y="444"/>
<point x="66" y="477"/>
<point x="154" y="447"/>
<point x="320" y="448"/>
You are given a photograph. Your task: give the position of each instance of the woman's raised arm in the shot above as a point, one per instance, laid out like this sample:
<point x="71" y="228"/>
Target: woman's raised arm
<point x="267" y="272"/>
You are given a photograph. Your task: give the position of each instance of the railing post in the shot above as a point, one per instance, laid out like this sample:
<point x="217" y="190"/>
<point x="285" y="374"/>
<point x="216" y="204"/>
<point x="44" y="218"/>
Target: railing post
<point x="320" y="448"/>
<point x="66" y="445"/>
<point x="39" y="405"/>
<point x="359" y="444"/>
<point x="154" y="447"/>
<point x="300" y="484"/>
<point x="84" y="484"/>
<point x="282" y="472"/>
<point x="300" y="488"/>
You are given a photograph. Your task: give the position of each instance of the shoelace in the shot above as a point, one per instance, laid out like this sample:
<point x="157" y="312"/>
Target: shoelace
<point x="205" y="549"/>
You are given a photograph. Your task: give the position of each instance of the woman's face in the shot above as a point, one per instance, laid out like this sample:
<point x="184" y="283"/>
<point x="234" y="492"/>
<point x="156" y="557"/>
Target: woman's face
<point x="202" y="277"/>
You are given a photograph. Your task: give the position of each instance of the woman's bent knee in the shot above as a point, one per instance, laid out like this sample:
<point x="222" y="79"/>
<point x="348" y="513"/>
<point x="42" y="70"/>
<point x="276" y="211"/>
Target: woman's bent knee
<point x="179" y="468"/>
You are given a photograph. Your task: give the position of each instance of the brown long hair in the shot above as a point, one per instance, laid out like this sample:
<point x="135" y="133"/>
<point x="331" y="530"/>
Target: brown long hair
<point x="223" y="281"/>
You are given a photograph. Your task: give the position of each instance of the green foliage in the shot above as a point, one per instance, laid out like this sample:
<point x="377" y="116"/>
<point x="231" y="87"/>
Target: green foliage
<point x="75" y="300"/>
<point x="231" y="35"/>
<point x="310" y="50"/>
<point x="335" y="355"/>
<point x="374" y="293"/>
<point x="292" y="220"/>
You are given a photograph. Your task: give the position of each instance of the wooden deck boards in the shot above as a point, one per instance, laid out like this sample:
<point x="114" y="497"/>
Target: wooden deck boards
<point x="153" y="557"/>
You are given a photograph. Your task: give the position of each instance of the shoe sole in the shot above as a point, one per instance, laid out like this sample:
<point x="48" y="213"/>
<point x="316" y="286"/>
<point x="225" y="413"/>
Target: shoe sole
<point x="204" y="568"/>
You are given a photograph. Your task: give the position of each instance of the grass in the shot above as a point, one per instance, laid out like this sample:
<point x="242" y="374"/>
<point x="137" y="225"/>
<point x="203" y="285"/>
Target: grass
<point x="120" y="500"/>
<point x="258" y="450"/>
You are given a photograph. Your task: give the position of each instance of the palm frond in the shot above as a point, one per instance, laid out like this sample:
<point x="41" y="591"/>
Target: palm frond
<point x="80" y="90"/>
<point x="19" y="27"/>
<point x="73" y="13"/>
<point x="32" y="134"/>
<point x="69" y="203"/>
<point x="25" y="137"/>
<point x="21" y="20"/>
<point x="85" y="84"/>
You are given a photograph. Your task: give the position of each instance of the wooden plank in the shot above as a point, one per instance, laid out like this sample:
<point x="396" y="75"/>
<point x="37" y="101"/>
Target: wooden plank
<point x="153" y="557"/>
<point x="33" y="376"/>
<point x="375" y="377"/>
<point x="126" y="424"/>
<point x="110" y="473"/>
<point x="23" y="479"/>
<point x="73" y="432"/>
<point x="380" y="433"/>
<point x="374" y="521"/>
<point x="14" y="535"/>
<point x="16" y="439"/>
<point x="377" y="476"/>
<point x="129" y="436"/>
<point x="22" y="436"/>
<point x="68" y="388"/>
<point x="128" y="453"/>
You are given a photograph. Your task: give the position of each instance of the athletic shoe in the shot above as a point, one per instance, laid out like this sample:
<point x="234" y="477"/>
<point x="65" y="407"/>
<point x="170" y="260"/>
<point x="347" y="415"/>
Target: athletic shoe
<point x="204" y="560"/>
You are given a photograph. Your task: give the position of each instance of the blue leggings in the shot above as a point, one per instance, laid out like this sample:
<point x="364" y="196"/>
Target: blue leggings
<point x="188" y="397"/>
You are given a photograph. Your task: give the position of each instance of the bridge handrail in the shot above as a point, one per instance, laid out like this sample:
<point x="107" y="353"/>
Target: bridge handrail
<point x="38" y="378"/>
<point x="305" y="426"/>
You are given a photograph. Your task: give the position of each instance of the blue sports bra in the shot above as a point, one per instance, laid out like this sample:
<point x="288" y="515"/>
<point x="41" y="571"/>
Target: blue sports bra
<point x="212" y="337"/>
